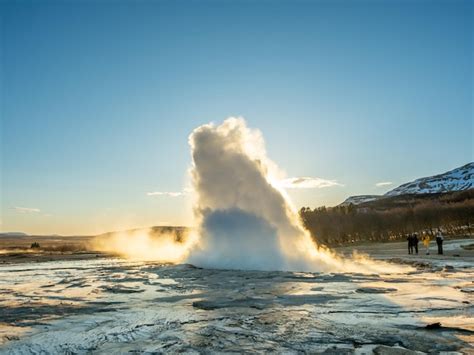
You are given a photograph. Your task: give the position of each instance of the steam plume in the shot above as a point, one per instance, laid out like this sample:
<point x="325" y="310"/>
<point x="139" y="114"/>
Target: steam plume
<point x="246" y="222"/>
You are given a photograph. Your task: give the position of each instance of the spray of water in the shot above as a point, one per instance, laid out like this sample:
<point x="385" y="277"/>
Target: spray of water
<point x="246" y="220"/>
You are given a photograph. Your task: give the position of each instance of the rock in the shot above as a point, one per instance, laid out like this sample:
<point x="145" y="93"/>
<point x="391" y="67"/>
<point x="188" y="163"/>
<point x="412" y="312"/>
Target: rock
<point x="421" y="264"/>
<point x="121" y="289"/>
<point x="12" y="337"/>
<point x="431" y="326"/>
<point x="376" y="290"/>
<point x="387" y="350"/>
<point x="337" y="351"/>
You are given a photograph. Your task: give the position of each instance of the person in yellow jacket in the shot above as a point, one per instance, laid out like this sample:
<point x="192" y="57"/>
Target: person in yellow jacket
<point x="426" y="243"/>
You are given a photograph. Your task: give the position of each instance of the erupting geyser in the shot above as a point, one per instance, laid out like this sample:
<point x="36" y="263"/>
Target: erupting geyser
<point x="245" y="220"/>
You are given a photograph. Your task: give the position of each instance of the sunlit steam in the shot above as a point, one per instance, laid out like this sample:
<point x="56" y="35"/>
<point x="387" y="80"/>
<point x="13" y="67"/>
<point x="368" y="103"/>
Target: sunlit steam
<point x="146" y="244"/>
<point x="245" y="219"/>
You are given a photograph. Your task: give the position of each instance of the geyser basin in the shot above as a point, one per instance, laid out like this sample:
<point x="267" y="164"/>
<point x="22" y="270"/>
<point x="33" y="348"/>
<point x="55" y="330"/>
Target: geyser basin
<point x="117" y="306"/>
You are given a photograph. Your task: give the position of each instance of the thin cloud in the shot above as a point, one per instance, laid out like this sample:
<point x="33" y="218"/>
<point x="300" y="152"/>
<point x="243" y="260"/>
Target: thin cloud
<point x="165" y="193"/>
<point x="383" y="183"/>
<point x="27" y="209"/>
<point x="307" y="183"/>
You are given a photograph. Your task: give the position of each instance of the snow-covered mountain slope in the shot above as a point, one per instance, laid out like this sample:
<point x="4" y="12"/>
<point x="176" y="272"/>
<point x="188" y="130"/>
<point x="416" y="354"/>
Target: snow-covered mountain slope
<point x="356" y="200"/>
<point x="458" y="179"/>
<point x="455" y="180"/>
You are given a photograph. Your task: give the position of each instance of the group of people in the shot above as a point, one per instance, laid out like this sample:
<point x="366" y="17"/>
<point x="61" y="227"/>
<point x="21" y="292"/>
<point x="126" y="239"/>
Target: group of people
<point x="413" y="241"/>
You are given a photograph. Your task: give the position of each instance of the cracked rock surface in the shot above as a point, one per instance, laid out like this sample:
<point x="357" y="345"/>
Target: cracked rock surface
<point x="118" y="306"/>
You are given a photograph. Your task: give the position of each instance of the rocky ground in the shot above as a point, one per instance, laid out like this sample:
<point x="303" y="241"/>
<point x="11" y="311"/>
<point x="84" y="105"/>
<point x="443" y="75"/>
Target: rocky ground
<point x="105" y="305"/>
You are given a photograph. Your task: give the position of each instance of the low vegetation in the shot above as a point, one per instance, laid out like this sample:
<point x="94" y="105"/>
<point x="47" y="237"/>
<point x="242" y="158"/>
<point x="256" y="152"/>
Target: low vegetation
<point x="35" y="245"/>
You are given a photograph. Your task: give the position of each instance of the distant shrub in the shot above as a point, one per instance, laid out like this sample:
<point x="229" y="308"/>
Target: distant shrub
<point x="35" y="245"/>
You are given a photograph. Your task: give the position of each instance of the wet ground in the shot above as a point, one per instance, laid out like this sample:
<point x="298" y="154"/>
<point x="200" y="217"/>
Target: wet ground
<point x="116" y="306"/>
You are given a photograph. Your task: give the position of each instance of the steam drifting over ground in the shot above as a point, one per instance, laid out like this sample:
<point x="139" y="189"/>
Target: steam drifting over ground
<point x="146" y="244"/>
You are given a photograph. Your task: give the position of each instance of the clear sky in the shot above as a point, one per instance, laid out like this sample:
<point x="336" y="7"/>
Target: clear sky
<point x="98" y="99"/>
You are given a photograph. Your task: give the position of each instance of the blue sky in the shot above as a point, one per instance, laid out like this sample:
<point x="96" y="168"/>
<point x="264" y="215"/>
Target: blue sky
<point x="99" y="97"/>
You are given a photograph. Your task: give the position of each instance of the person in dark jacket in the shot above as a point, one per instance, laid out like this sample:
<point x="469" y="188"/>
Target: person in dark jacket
<point x="439" y="241"/>
<point x="410" y="244"/>
<point x="415" y="242"/>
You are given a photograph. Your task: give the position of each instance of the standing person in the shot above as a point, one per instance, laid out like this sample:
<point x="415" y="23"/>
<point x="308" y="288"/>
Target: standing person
<point x="410" y="244"/>
<point x="439" y="241"/>
<point x="426" y="243"/>
<point x="415" y="242"/>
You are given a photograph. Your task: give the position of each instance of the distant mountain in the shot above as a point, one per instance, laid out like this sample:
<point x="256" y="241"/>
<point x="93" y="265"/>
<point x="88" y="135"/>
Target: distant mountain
<point x="13" y="234"/>
<point x="357" y="200"/>
<point x="459" y="179"/>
